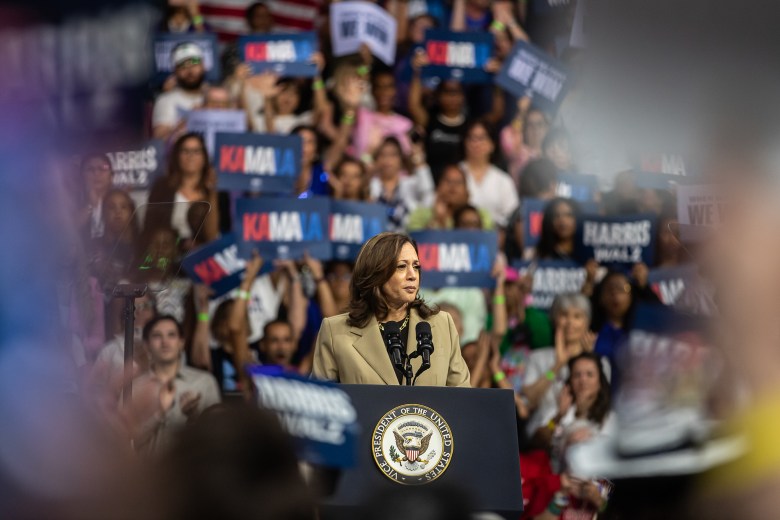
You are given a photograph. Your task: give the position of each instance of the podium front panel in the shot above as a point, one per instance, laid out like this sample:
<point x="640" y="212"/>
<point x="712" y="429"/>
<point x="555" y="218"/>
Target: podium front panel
<point x="484" y="458"/>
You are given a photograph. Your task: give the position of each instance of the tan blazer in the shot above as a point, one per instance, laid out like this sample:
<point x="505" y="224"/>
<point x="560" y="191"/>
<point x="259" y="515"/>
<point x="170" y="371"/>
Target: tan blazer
<point x="358" y="355"/>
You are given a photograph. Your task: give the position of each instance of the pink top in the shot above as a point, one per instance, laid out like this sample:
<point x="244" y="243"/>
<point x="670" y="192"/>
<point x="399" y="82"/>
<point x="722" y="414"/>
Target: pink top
<point x="373" y="127"/>
<point x="517" y="154"/>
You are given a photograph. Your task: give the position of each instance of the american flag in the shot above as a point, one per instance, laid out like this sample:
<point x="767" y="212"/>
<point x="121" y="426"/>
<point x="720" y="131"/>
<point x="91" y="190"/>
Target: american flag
<point x="226" y="17"/>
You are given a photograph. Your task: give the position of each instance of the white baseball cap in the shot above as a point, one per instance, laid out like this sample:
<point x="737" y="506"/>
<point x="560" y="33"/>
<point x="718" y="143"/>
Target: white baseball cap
<point x="186" y="51"/>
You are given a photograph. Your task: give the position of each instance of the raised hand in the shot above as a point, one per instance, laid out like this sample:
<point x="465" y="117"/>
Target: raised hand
<point x="253" y="265"/>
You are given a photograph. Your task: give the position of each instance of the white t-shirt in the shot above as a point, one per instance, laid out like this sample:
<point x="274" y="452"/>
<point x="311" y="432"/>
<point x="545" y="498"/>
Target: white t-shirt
<point x="179" y="215"/>
<point x="264" y="303"/>
<point x="283" y="125"/>
<point x="496" y="193"/>
<point x="169" y="106"/>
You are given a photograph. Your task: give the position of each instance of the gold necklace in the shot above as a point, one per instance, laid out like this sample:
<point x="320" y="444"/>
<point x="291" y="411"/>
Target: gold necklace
<point x="403" y="325"/>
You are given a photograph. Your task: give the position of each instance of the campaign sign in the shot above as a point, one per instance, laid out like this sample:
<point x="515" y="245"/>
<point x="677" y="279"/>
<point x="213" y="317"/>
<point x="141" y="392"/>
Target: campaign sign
<point x="456" y="258"/>
<point x="136" y="169"/>
<point x="668" y="360"/>
<point x="617" y="241"/>
<point x="257" y="162"/>
<point x="529" y="70"/>
<point x="578" y="38"/>
<point x="669" y="283"/>
<point x="551" y="278"/>
<point x="210" y="122"/>
<point x="699" y="208"/>
<point x="533" y="214"/>
<point x="353" y="24"/>
<point x="318" y="415"/>
<point x="660" y="171"/>
<point x="352" y="224"/>
<point x="283" y="54"/>
<point x="283" y="228"/>
<point x="164" y="43"/>
<point x="217" y="265"/>
<point x="457" y="55"/>
<point x="577" y="186"/>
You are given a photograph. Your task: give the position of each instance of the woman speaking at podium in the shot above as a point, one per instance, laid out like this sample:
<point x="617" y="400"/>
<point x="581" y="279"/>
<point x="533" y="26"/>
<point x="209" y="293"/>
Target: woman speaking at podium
<point x="376" y="341"/>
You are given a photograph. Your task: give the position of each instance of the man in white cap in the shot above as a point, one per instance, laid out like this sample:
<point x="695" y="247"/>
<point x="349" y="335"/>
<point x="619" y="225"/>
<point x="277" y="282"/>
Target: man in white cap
<point x="187" y="61"/>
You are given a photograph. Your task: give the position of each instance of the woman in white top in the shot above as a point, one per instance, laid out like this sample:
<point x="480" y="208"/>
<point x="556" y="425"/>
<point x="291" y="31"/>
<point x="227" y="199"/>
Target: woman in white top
<point x="583" y="407"/>
<point x="190" y="179"/>
<point x="548" y="369"/>
<point x="490" y="188"/>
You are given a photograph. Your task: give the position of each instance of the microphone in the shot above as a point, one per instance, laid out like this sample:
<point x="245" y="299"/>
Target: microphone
<point x="424" y="344"/>
<point x="394" y="344"/>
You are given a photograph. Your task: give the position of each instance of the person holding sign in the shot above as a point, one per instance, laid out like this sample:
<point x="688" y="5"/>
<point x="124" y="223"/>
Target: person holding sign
<point x="614" y="300"/>
<point x="385" y="309"/>
<point x="559" y="227"/>
<point x="349" y="180"/>
<point x="187" y="59"/>
<point x="522" y="138"/>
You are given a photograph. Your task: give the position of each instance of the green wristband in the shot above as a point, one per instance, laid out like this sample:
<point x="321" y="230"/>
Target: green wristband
<point x="499" y="376"/>
<point x="550" y="375"/>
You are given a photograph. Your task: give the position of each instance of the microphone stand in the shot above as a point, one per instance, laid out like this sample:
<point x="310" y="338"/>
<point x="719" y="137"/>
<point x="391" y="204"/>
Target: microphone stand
<point x="129" y="292"/>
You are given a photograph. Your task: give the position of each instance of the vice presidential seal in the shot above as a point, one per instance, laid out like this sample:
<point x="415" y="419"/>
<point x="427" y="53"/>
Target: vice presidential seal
<point x="412" y="444"/>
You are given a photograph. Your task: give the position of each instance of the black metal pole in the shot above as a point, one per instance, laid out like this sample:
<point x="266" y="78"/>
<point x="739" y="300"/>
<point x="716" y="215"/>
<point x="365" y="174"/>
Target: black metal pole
<point x="127" y="394"/>
<point x="129" y="292"/>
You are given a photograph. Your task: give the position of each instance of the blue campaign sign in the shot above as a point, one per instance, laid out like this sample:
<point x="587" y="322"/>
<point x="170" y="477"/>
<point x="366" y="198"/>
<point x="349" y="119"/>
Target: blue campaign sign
<point x="616" y="241"/>
<point x="283" y="228"/>
<point x="669" y="282"/>
<point x="283" y="54"/>
<point x="352" y="224"/>
<point x="456" y="258"/>
<point x="137" y="168"/>
<point x="257" y="162"/>
<point x="210" y="122"/>
<point x="164" y="43"/>
<point x="661" y="171"/>
<point x="217" y="265"/>
<point x="551" y="278"/>
<point x="458" y="55"/>
<point x="529" y="70"/>
<point x="577" y="186"/>
<point x="318" y="415"/>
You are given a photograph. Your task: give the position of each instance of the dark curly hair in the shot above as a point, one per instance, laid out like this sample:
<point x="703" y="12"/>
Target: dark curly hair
<point x="374" y="266"/>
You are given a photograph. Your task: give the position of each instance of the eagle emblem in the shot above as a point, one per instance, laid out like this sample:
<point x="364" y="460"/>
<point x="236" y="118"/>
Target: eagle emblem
<point x="412" y="439"/>
<point x="412" y="444"/>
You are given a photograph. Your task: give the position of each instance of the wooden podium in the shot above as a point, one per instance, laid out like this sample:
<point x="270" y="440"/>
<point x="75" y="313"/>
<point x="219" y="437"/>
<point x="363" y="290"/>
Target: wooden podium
<point x="482" y="457"/>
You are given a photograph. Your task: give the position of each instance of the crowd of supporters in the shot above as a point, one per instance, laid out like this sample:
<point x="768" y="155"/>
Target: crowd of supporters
<point x="437" y="155"/>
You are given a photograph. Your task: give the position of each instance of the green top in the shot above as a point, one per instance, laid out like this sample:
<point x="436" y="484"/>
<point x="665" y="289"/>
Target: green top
<point x="537" y="322"/>
<point x="419" y="218"/>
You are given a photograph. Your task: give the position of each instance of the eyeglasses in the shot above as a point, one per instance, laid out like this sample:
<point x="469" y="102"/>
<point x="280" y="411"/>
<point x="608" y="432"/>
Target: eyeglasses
<point x="191" y="62"/>
<point x="191" y="151"/>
